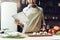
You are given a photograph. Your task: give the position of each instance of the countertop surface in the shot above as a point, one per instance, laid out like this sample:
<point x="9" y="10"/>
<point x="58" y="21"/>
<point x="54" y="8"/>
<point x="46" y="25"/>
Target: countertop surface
<point x="54" y="37"/>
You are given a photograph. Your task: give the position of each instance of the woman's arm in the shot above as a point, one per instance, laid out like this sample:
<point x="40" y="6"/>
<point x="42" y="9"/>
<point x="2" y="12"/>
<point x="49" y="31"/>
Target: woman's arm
<point x="19" y="23"/>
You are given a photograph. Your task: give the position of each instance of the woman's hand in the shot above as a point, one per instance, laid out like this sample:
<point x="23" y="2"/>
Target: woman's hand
<point x="19" y="23"/>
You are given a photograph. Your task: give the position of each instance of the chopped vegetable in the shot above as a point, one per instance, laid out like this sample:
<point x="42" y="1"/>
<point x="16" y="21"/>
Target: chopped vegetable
<point x="17" y="36"/>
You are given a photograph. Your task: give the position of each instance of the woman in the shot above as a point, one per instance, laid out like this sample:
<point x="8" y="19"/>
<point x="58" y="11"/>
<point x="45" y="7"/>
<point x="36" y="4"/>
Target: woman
<point x="35" y="16"/>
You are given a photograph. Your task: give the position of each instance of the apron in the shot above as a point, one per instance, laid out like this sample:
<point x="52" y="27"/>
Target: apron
<point x="35" y="17"/>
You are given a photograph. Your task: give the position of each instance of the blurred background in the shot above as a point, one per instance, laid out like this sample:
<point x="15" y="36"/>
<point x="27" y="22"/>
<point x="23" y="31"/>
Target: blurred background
<point x="51" y="9"/>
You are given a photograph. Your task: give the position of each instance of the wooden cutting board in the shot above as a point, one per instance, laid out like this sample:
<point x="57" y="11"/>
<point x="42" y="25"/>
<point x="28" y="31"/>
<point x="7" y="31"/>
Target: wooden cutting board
<point x="37" y="35"/>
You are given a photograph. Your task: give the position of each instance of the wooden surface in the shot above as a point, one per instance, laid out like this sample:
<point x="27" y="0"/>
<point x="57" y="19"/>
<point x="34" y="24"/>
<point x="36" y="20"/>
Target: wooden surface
<point x="38" y="35"/>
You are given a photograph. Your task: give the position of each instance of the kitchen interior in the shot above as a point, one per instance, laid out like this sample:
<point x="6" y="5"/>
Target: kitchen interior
<point x="51" y="10"/>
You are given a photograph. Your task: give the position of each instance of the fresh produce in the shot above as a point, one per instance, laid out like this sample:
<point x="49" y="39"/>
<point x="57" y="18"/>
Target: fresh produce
<point x="52" y="31"/>
<point x="58" y="33"/>
<point x="14" y="35"/>
<point x="56" y="28"/>
<point x="17" y="36"/>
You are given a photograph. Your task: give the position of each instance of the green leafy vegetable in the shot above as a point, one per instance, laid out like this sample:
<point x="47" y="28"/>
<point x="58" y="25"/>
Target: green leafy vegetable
<point x="58" y="33"/>
<point x="17" y="36"/>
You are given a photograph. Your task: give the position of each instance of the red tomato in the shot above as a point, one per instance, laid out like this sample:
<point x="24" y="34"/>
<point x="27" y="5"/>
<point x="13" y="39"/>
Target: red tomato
<point x="50" y="30"/>
<point x="53" y="31"/>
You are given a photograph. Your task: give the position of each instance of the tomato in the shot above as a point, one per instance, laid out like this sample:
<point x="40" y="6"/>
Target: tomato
<point x="53" y="31"/>
<point x="50" y="30"/>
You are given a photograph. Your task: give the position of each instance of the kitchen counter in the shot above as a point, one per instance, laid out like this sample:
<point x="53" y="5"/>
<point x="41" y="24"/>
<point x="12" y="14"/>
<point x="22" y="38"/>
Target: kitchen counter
<point x="53" y="37"/>
<point x="35" y="38"/>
